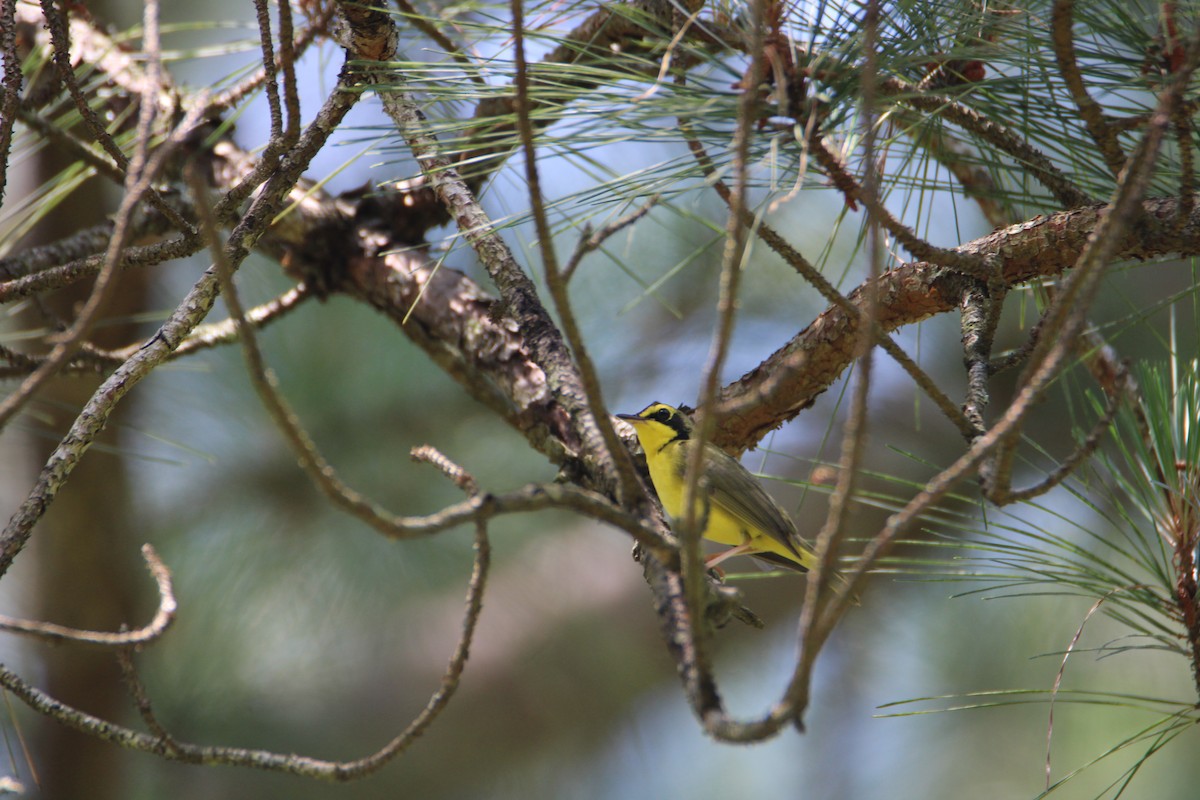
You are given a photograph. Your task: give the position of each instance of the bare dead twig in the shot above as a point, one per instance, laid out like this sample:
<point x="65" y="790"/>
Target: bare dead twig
<point x="81" y="244"/>
<point x="287" y="60"/>
<point x="164" y="745"/>
<point x="141" y="699"/>
<point x="182" y="321"/>
<point x="88" y="361"/>
<point x="79" y="268"/>
<point x="96" y="413"/>
<point x="459" y="476"/>
<point x="590" y="241"/>
<point x="699" y="685"/>
<point x="235" y="94"/>
<point x="76" y="148"/>
<point x="149" y="93"/>
<point x="1005" y="495"/>
<point x="60" y="39"/>
<point x="262" y="15"/>
<point x="225" y="332"/>
<point x="1066" y="191"/>
<point x="810" y="273"/>
<point x="1067" y="314"/>
<point x="163" y="617"/>
<point x="314" y="464"/>
<point x="142" y="169"/>
<point x="921" y="249"/>
<point x="1061" y="20"/>
<point x="823" y="605"/>
<point x="10" y="85"/>
<point x="597" y="425"/>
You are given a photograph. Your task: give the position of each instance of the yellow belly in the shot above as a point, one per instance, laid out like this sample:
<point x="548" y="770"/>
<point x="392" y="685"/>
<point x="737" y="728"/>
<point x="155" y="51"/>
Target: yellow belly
<point x="723" y="527"/>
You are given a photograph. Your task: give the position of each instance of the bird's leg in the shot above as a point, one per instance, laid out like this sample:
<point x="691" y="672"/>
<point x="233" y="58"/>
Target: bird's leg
<point x="740" y="550"/>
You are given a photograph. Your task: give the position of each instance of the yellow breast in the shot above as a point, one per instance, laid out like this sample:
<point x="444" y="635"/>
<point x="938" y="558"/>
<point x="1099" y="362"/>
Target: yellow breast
<point x="666" y="471"/>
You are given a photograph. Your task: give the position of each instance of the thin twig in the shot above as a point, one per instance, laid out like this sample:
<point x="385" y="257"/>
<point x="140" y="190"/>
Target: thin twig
<point x="20" y="364"/>
<point x="591" y="241"/>
<point x="182" y="321"/>
<point x="141" y="172"/>
<point x="287" y="60"/>
<point x="234" y="95"/>
<point x="810" y="273"/>
<point x="225" y="332"/>
<point x="702" y="691"/>
<point x="1067" y="314"/>
<point x="167" y="606"/>
<point x="79" y="269"/>
<point x="339" y="771"/>
<point x="262" y="14"/>
<point x="1005" y="495"/>
<point x="822" y="607"/>
<point x="141" y="699"/>
<point x="613" y="455"/>
<point x="921" y="249"/>
<point x="318" y="469"/>
<point x="150" y="92"/>
<point x="1062" y="34"/>
<point x="60" y="39"/>
<point x="95" y="415"/>
<point x="10" y="86"/>
<point x="460" y="477"/>
<point x="75" y="148"/>
<point x="80" y="244"/>
<point x="1041" y="168"/>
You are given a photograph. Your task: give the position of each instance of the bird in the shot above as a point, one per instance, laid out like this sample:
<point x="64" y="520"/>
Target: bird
<point x="739" y="512"/>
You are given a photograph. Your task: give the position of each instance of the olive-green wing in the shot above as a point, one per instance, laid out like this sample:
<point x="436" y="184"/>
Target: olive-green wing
<point x="736" y="491"/>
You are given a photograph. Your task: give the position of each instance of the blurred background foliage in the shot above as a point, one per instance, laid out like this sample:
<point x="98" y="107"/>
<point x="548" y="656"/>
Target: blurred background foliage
<point x="302" y="631"/>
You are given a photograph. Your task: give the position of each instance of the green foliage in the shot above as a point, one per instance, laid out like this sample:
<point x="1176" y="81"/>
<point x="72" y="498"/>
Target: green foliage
<point x="1123" y="538"/>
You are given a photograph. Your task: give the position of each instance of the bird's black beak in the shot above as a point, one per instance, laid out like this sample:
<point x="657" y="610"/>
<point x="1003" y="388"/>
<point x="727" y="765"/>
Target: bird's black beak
<point x="627" y="416"/>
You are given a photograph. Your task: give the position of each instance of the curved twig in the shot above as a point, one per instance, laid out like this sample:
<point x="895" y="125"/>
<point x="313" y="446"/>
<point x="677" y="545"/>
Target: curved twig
<point x="167" y="606"/>
<point x="1040" y="167"/>
<point x="162" y="744"/>
<point x="149" y="93"/>
<point x="810" y="273"/>
<point x="855" y="192"/>
<point x="141" y="172"/>
<point x="1061" y="23"/>
<point x="187" y="315"/>
<point x="597" y="424"/>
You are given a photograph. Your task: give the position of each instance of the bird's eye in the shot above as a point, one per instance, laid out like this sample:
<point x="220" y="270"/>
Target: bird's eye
<point x="662" y="415"/>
